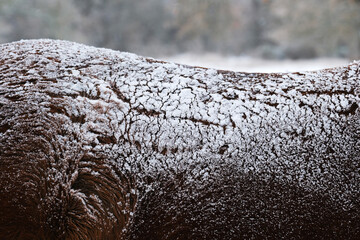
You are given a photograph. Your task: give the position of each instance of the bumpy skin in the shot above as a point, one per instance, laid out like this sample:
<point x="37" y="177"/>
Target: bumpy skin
<point x="99" y="144"/>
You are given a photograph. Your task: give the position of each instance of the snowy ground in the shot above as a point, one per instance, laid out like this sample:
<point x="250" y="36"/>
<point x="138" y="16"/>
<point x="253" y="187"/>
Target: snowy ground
<point x="247" y="64"/>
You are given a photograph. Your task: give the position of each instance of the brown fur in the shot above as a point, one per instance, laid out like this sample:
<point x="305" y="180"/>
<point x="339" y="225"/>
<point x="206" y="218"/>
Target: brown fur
<point x="63" y="172"/>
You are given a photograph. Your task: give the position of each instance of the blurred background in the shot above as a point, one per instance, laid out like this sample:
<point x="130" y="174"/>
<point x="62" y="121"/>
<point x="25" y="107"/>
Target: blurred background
<point x="242" y="35"/>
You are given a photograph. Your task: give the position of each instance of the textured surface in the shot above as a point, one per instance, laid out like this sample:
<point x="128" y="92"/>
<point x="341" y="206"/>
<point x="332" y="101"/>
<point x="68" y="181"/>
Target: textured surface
<point x="99" y="144"/>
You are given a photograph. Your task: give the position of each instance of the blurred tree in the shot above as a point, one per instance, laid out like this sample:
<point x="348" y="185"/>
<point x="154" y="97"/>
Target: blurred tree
<point x="39" y="19"/>
<point x="125" y="24"/>
<point x="203" y="25"/>
<point x="331" y="29"/>
<point x="259" y="15"/>
<point x="353" y="19"/>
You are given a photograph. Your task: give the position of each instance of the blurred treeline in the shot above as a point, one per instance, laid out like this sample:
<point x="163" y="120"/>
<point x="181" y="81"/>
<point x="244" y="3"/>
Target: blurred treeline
<point x="262" y="28"/>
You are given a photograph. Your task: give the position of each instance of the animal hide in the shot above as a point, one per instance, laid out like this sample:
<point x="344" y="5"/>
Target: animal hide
<point x="101" y="144"/>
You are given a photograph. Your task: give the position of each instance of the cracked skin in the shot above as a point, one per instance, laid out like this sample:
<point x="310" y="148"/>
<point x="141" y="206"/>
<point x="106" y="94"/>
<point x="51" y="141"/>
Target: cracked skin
<point x="101" y="144"/>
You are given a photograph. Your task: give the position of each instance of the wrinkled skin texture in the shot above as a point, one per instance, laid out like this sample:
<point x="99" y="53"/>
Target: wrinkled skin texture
<point x="99" y="144"/>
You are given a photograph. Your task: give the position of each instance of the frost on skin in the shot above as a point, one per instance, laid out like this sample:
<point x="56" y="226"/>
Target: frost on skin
<point x="100" y="144"/>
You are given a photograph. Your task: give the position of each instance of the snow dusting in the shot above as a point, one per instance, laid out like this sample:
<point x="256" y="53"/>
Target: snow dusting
<point x="132" y="147"/>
